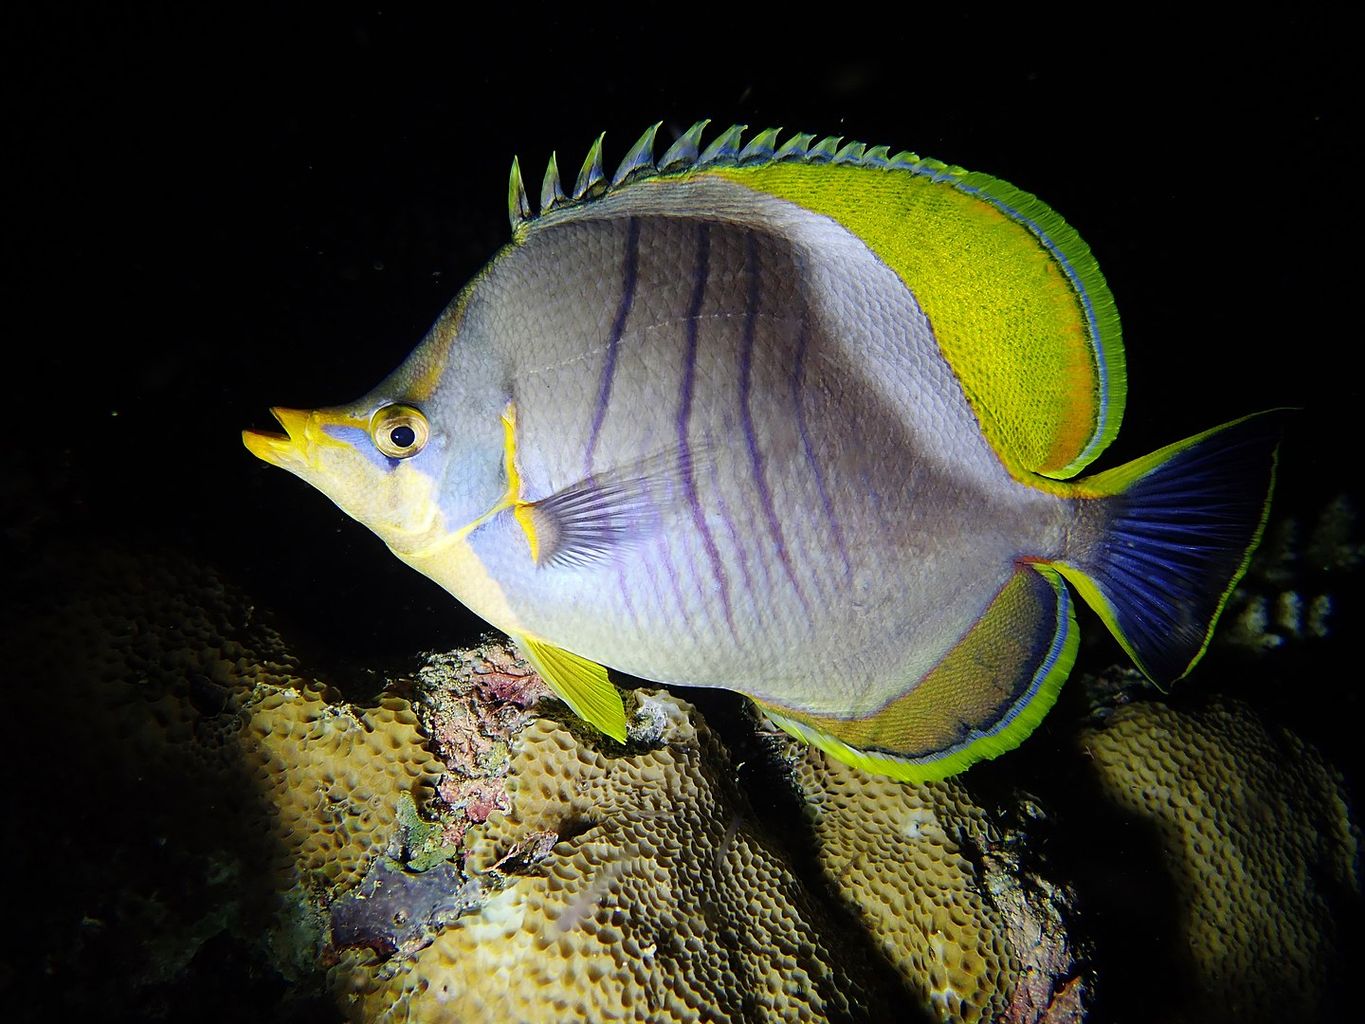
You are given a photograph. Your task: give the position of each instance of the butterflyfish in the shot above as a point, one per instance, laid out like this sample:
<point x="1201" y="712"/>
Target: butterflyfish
<point x="801" y="419"/>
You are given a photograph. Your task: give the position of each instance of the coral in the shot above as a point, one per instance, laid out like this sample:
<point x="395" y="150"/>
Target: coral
<point x="626" y="886"/>
<point x="336" y="775"/>
<point x="459" y="847"/>
<point x="226" y="793"/>
<point x="1255" y="836"/>
<point x="939" y="888"/>
<point x="1290" y="594"/>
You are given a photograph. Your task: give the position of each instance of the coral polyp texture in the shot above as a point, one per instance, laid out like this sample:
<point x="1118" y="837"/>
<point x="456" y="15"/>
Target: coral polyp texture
<point x="453" y="845"/>
<point x="1255" y="836"/>
<point x="220" y="795"/>
<point x="628" y="885"/>
<point x="937" y="886"/>
<point x="335" y="774"/>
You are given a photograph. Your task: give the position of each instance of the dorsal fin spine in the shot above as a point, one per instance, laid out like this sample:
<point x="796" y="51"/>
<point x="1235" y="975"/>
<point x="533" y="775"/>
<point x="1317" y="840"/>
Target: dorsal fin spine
<point x="760" y="148"/>
<point x="726" y="150"/>
<point x="640" y="159"/>
<point x="683" y="153"/>
<point x="591" y="178"/>
<point x="795" y="148"/>
<point x="518" y="203"/>
<point x="823" y="151"/>
<point x="850" y="154"/>
<point x="551" y="191"/>
<point x="877" y="157"/>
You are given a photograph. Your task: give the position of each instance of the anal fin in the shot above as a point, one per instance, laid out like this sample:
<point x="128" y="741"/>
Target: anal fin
<point x="580" y="683"/>
<point x="982" y="699"/>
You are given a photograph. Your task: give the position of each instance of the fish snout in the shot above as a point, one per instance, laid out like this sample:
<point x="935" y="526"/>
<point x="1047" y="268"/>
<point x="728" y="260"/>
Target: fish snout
<point x="285" y="450"/>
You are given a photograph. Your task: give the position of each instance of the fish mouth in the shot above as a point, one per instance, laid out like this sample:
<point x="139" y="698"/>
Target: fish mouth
<point x="283" y="450"/>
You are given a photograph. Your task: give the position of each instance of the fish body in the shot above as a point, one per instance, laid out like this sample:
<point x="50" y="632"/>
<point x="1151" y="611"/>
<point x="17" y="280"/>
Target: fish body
<point x="798" y="424"/>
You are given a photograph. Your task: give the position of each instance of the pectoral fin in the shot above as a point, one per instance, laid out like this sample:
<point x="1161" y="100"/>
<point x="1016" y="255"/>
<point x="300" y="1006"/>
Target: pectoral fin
<point x="580" y="683"/>
<point x="586" y="523"/>
<point x="607" y="513"/>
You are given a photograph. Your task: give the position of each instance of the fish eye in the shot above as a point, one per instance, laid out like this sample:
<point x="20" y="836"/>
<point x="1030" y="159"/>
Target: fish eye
<point x="399" y="431"/>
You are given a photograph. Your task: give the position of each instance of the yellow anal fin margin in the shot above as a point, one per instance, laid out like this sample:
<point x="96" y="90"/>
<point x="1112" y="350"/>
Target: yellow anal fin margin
<point x="985" y="696"/>
<point x="580" y="683"/>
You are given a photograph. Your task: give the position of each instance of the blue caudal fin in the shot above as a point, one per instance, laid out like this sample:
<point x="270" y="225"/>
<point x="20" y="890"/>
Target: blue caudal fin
<point x="1164" y="539"/>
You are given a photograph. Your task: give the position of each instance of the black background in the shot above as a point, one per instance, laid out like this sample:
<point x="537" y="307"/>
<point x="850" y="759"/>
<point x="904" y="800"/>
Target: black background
<point x="207" y="215"/>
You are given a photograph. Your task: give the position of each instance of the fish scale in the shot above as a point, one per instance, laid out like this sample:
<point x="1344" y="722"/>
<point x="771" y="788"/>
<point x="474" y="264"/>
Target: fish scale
<point x="803" y="420"/>
<point x="636" y="425"/>
<point x="771" y="623"/>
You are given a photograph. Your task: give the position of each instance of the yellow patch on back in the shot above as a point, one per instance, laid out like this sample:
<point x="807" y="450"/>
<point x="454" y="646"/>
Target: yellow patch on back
<point x="1009" y="318"/>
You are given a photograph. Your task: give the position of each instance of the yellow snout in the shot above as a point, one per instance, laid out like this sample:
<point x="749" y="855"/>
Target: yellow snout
<point x="287" y="450"/>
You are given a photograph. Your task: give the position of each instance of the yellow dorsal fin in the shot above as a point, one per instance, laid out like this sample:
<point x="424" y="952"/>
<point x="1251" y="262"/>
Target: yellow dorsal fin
<point x="1016" y="299"/>
<point x="580" y="683"/>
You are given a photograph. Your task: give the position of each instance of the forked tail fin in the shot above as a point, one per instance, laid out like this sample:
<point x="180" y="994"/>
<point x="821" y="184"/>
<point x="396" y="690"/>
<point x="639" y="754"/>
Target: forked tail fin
<point x="1163" y="540"/>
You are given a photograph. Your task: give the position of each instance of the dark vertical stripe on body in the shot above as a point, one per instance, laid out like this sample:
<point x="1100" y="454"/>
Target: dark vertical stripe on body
<point x="692" y="622"/>
<point x="798" y="382"/>
<point x="746" y="361"/>
<point x="700" y="275"/>
<point x="623" y="588"/>
<point x="736" y="541"/>
<point x="632" y="262"/>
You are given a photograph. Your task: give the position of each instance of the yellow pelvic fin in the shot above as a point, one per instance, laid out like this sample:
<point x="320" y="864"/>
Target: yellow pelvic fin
<point x="985" y="696"/>
<point x="580" y="683"/>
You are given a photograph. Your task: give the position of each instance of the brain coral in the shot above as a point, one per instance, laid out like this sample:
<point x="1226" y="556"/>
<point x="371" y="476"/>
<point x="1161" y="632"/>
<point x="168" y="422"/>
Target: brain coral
<point x="454" y="850"/>
<point x="627" y="885"/>
<point x="335" y="774"/>
<point x="209" y="792"/>
<point x="935" y="884"/>
<point x="1255" y="836"/>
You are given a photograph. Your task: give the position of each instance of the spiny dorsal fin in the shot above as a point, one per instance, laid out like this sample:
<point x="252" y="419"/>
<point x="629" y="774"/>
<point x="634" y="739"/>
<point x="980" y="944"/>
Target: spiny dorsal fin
<point x="724" y="149"/>
<point x="640" y="160"/>
<point x="823" y="151"/>
<point x="682" y="155"/>
<point x="551" y="191"/>
<point x="1083" y="363"/>
<point x="591" y="179"/>
<point x="518" y="203"/>
<point x="685" y="155"/>
<point x="760" y="148"/>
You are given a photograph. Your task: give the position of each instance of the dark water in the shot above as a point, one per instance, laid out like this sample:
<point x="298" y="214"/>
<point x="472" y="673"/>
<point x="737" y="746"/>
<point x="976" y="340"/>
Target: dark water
<point x="206" y="218"/>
